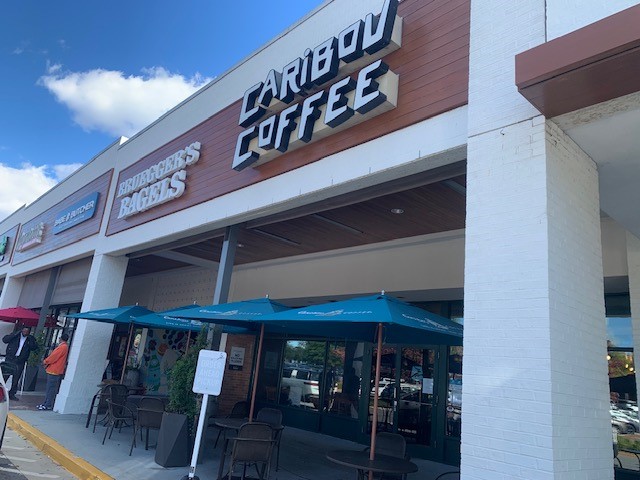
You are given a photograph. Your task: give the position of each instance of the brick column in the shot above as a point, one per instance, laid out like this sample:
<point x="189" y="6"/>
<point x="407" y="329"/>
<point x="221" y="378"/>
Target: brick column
<point x="535" y="394"/>
<point x="88" y="353"/>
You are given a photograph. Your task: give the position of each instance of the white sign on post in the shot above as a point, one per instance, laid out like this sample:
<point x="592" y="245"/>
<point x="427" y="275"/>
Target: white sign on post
<point x="209" y="372"/>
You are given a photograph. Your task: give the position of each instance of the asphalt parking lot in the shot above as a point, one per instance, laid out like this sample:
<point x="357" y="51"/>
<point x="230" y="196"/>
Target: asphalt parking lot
<point x="19" y="460"/>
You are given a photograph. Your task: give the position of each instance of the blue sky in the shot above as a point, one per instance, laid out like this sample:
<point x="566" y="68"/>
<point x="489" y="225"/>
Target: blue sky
<point x="75" y="75"/>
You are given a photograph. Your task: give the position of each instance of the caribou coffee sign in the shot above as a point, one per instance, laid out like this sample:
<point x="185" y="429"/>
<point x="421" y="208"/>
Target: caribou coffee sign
<point x="158" y="184"/>
<point x="30" y="238"/>
<point x="347" y="102"/>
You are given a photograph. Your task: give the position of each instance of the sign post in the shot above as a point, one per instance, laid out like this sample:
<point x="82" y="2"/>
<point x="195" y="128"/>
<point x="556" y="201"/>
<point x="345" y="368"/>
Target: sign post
<point x="207" y="381"/>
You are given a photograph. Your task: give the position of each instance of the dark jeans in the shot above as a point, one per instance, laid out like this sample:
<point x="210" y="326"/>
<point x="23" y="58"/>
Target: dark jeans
<point x="53" y="383"/>
<point x="18" y="368"/>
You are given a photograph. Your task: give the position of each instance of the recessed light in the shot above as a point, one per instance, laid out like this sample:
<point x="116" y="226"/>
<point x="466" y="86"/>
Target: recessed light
<point x="397" y="211"/>
<point x="240" y="245"/>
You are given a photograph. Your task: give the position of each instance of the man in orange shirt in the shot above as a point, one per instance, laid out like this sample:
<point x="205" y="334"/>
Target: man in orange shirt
<point x="55" y="365"/>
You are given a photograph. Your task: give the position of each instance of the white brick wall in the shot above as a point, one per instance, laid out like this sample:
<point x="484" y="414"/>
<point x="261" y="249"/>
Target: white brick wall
<point x="535" y="398"/>
<point x="564" y="16"/>
<point x="499" y="30"/>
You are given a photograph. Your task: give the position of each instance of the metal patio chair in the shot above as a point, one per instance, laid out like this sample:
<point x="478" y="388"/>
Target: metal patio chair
<point x="273" y="417"/>
<point x="239" y="410"/>
<point x="148" y="417"/>
<point x="119" y="415"/>
<point x="253" y="446"/>
<point x="117" y="391"/>
<point x="392" y="445"/>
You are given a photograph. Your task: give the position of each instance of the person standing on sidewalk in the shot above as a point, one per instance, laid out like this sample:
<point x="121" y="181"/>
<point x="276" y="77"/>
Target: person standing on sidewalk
<point x="55" y="365"/>
<point x="19" y="347"/>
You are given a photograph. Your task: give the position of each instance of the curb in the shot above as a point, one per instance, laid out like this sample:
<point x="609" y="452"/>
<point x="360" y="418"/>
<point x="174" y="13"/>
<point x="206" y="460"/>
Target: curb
<point x="74" y="464"/>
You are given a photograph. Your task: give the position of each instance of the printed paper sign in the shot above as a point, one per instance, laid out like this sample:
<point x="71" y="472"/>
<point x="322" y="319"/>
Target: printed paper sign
<point x="209" y="372"/>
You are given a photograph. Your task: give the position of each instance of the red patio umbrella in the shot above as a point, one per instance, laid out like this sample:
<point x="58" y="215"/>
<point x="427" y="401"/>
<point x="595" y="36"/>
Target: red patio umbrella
<point x="22" y="315"/>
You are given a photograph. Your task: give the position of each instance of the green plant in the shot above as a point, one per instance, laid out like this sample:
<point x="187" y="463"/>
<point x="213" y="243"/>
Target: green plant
<point x="35" y="357"/>
<point x="181" y="396"/>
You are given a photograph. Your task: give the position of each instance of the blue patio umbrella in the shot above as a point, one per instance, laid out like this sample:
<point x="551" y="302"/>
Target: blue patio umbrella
<point x="126" y="315"/>
<point x="245" y="313"/>
<point x="370" y="318"/>
<point x="359" y="318"/>
<point x="121" y="315"/>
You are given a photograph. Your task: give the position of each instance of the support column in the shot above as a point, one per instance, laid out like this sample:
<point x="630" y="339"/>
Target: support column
<point x="88" y="353"/>
<point x="633" y="264"/>
<point x="535" y="395"/>
<point x="11" y="292"/>
<point x="223" y="281"/>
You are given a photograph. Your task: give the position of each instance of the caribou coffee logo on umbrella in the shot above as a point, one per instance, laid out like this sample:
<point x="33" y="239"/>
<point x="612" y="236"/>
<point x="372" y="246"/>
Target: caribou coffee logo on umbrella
<point x="345" y="103"/>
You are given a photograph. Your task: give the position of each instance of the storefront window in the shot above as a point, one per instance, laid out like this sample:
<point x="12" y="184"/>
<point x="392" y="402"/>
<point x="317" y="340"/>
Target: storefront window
<point x="269" y="371"/>
<point x="454" y="392"/>
<point x="301" y="374"/>
<point x="343" y="378"/>
<point x="386" y="388"/>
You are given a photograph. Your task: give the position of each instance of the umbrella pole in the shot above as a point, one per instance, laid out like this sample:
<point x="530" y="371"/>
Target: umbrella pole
<point x="186" y="350"/>
<point x="255" y="376"/>
<point x="374" y="418"/>
<point x="126" y="354"/>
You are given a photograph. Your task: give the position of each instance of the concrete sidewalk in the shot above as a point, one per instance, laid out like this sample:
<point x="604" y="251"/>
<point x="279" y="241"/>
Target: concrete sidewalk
<point x="302" y="453"/>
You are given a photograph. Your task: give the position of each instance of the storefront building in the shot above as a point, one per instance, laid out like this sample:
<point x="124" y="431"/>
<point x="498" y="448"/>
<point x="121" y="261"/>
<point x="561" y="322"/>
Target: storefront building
<point x="476" y="158"/>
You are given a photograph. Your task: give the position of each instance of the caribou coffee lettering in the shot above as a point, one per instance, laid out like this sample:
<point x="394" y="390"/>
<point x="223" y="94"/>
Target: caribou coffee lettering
<point x="339" y="103"/>
<point x="157" y="184"/>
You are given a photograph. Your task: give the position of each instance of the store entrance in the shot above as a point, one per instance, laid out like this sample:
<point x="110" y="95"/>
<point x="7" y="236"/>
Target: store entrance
<point x="416" y="399"/>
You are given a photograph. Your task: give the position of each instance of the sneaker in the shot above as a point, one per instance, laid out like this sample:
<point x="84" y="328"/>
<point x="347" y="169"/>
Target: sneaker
<point x="13" y="397"/>
<point x="42" y="407"/>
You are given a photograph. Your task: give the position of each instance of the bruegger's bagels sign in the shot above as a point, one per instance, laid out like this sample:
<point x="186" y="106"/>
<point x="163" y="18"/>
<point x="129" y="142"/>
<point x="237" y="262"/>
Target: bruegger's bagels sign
<point x="158" y="184"/>
<point x="345" y="103"/>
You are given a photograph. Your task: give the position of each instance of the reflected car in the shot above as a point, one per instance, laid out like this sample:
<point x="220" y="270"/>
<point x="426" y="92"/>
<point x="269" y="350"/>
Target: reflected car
<point x="301" y="385"/>
<point x="623" y="423"/>
<point x="4" y="406"/>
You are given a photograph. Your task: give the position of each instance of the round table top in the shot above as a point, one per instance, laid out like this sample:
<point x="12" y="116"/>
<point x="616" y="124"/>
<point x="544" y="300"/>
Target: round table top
<point x="236" y="423"/>
<point x="382" y="463"/>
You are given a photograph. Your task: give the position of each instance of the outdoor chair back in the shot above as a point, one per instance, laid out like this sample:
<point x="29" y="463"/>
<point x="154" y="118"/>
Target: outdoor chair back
<point x="118" y="415"/>
<point x="273" y="417"/>
<point x="239" y="410"/>
<point x="98" y="402"/>
<point x="253" y="446"/>
<point x="149" y="417"/>
<point x="392" y="445"/>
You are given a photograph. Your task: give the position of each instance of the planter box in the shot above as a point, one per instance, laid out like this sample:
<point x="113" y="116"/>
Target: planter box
<point x="31" y="378"/>
<point x="174" y="444"/>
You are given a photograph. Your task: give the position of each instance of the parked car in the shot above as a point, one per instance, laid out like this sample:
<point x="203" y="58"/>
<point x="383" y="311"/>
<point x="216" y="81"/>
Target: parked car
<point x="4" y="406"/>
<point x="623" y="423"/>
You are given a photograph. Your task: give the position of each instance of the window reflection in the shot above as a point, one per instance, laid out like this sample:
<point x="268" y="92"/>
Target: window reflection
<point x="343" y="378"/>
<point x="454" y="392"/>
<point x="301" y="373"/>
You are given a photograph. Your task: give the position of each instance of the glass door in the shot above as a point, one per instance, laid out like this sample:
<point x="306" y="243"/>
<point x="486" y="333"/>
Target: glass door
<point x="408" y="397"/>
<point x="416" y="395"/>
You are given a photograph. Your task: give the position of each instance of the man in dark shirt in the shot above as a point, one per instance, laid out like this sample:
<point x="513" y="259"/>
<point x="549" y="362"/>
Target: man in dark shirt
<point x="19" y="347"/>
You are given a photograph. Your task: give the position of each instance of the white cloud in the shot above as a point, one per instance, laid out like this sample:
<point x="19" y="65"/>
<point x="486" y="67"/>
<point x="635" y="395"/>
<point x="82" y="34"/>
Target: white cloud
<point x="19" y="186"/>
<point x="64" y="170"/>
<point x="116" y="104"/>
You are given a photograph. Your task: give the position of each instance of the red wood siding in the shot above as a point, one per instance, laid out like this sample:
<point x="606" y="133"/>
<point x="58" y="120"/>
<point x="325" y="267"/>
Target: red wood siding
<point x="433" y="66"/>
<point x="85" y="229"/>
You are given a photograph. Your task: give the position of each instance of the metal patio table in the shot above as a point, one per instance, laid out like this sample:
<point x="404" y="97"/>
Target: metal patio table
<point x="359" y="460"/>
